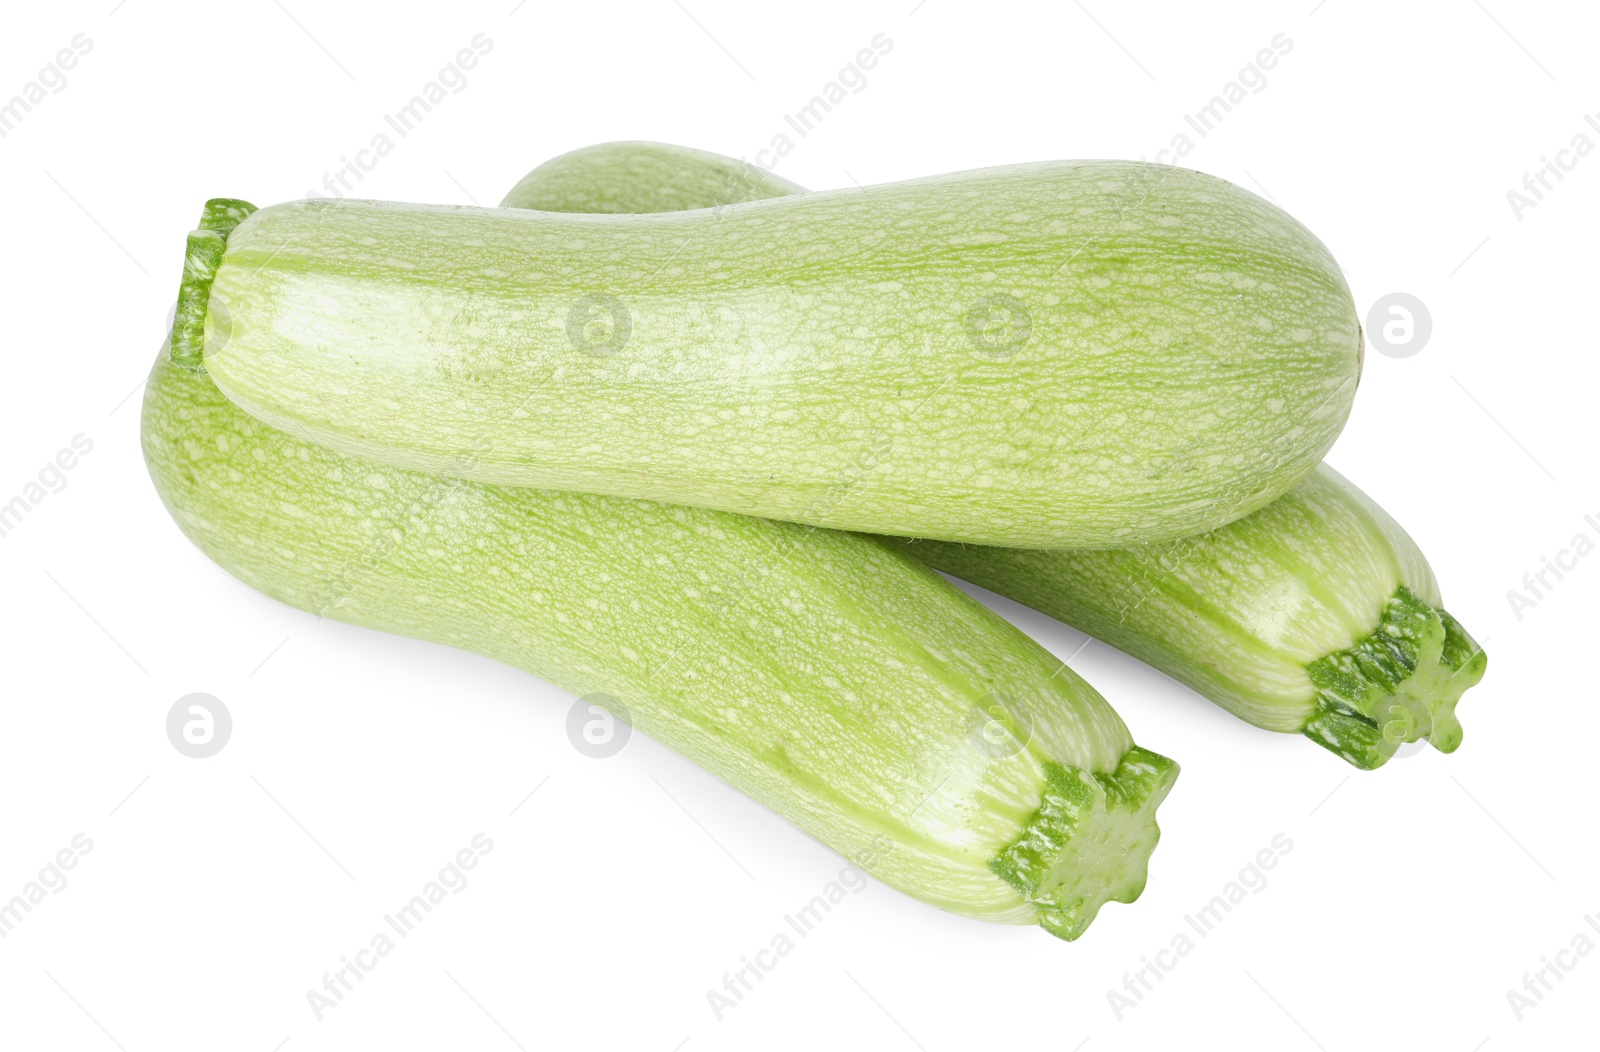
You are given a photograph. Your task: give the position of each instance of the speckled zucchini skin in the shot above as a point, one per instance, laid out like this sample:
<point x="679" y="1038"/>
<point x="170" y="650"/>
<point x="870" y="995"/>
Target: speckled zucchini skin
<point x="829" y="676"/>
<point x="1065" y="354"/>
<point x="628" y="177"/>
<point x="1317" y="614"/>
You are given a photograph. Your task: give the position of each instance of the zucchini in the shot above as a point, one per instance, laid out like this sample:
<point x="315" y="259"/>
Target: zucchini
<point x="643" y="177"/>
<point x="831" y="677"/>
<point x="1083" y="354"/>
<point x="1317" y="614"/>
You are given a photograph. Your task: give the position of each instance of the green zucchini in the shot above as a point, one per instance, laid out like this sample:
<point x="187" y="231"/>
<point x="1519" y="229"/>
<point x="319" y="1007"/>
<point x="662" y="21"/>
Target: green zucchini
<point x="1085" y="354"/>
<point x="831" y="677"/>
<point x="1316" y="614"/>
<point x="643" y="177"/>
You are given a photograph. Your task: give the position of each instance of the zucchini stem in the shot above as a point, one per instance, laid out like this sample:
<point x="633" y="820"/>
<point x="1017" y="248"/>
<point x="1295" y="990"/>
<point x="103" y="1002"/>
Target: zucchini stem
<point x="1089" y="842"/>
<point x="200" y="261"/>
<point x="1397" y="685"/>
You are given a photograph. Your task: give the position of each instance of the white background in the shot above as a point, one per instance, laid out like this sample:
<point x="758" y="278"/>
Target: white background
<point x="219" y="891"/>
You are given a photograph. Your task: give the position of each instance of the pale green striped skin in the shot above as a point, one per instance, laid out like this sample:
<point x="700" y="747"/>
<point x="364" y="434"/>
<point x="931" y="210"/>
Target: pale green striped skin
<point x="1081" y="354"/>
<point x="830" y="677"/>
<point x="643" y="177"/>
<point x="1317" y="614"/>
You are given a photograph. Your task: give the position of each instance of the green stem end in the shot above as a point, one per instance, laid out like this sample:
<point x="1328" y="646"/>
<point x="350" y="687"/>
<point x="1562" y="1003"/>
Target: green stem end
<point x="1398" y="685"/>
<point x="1089" y="842"/>
<point x="200" y="261"/>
